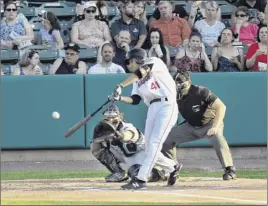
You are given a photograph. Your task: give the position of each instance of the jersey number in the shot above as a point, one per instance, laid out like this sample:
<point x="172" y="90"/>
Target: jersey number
<point x="155" y="85"/>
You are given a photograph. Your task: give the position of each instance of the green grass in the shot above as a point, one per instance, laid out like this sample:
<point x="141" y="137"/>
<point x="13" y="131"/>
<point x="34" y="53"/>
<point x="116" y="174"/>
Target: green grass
<point x="57" y="202"/>
<point x="21" y="175"/>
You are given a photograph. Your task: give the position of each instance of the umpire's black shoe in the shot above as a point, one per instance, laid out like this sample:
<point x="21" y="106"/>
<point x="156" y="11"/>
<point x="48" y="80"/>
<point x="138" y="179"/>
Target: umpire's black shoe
<point x="173" y="175"/>
<point x="229" y="173"/>
<point x="134" y="184"/>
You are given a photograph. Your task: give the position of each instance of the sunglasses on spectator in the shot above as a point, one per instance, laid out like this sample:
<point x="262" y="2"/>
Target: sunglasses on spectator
<point x="11" y="10"/>
<point x="90" y="11"/>
<point x="240" y="15"/>
<point x="68" y="53"/>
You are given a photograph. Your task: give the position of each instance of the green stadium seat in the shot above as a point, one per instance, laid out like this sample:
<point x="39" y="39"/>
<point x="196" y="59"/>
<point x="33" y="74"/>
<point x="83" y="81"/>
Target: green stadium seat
<point x="59" y="8"/>
<point x="47" y="54"/>
<point x="226" y="8"/>
<point x="45" y="68"/>
<point x="209" y="50"/>
<point x="150" y="10"/>
<point x="112" y="11"/>
<point x="87" y="53"/>
<point x="8" y="55"/>
<point x="27" y="11"/>
<point x="6" y="68"/>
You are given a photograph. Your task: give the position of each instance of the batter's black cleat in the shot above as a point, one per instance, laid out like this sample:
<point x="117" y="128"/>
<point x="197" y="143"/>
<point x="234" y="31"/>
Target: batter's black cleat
<point x="116" y="177"/>
<point x="229" y="173"/>
<point x="173" y="175"/>
<point x="134" y="184"/>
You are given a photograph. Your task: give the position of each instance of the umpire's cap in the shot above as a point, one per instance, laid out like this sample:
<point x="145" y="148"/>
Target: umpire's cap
<point x="139" y="54"/>
<point x="181" y="77"/>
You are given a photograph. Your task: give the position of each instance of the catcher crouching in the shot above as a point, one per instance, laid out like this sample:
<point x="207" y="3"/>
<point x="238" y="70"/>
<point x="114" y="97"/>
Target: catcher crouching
<point x="115" y="141"/>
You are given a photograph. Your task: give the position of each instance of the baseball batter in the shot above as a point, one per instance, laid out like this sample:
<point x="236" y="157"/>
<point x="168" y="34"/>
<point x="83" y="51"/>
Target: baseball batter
<point x="152" y="83"/>
<point x="127" y="147"/>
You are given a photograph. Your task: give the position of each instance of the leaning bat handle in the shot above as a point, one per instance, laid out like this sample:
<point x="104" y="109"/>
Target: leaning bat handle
<point x="83" y="121"/>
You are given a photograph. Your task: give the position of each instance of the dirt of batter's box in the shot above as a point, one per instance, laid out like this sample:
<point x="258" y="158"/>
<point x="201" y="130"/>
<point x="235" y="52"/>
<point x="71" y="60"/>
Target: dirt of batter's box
<point x="182" y="183"/>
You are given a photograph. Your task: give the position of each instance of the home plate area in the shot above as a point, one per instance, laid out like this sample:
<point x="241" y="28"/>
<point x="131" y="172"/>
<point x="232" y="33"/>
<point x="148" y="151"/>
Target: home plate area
<point x="187" y="190"/>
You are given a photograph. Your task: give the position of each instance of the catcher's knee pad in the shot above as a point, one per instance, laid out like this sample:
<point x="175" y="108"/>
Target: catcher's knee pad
<point x="133" y="170"/>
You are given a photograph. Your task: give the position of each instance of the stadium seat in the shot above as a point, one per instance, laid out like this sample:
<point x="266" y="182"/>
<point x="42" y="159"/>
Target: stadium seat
<point x="59" y="8"/>
<point x="66" y="27"/>
<point x="6" y="68"/>
<point x="226" y="8"/>
<point x="8" y="55"/>
<point x="45" y="68"/>
<point x="150" y="10"/>
<point x="187" y="6"/>
<point x="112" y="11"/>
<point x="47" y="54"/>
<point x="87" y="53"/>
<point x="209" y="50"/>
<point x="27" y="11"/>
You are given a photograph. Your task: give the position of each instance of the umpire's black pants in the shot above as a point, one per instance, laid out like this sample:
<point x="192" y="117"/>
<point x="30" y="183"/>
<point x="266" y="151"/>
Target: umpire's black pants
<point x="187" y="133"/>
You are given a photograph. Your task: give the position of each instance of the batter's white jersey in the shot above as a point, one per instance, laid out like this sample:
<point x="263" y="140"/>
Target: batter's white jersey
<point x="157" y="83"/>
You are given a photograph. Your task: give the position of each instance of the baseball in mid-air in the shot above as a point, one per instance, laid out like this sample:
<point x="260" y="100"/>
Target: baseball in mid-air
<point x="56" y="115"/>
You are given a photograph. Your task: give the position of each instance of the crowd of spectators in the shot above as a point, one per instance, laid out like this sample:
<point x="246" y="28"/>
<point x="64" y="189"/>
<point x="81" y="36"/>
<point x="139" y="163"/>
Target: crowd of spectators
<point x="236" y="46"/>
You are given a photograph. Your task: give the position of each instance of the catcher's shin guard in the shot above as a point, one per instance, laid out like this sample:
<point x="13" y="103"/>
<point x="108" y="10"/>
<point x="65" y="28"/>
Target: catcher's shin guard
<point x="106" y="157"/>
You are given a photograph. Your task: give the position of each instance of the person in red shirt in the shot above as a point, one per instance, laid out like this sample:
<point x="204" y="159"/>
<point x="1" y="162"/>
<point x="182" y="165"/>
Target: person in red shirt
<point x="256" y="58"/>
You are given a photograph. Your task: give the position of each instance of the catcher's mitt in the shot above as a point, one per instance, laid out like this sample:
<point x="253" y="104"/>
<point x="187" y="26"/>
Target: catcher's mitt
<point x="104" y="131"/>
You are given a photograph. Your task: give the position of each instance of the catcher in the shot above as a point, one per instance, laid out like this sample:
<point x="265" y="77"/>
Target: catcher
<point x="115" y="141"/>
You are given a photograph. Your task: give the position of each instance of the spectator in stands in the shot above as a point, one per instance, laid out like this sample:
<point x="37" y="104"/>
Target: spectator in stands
<point x="255" y="11"/>
<point x="122" y="46"/>
<point x="246" y="31"/>
<point x="198" y="12"/>
<point x="101" y="14"/>
<point x="156" y="47"/>
<point x="140" y="11"/>
<point x="175" y="30"/>
<point x="128" y="22"/>
<point x="210" y="28"/>
<point x="106" y="66"/>
<point x="226" y="57"/>
<point x="71" y="63"/>
<point x="90" y="31"/>
<point x="177" y="11"/>
<point x="49" y="34"/>
<point x="14" y="31"/>
<point x="256" y="58"/>
<point x="28" y="65"/>
<point x="19" y="16"/>
<point x="193" y="56"/>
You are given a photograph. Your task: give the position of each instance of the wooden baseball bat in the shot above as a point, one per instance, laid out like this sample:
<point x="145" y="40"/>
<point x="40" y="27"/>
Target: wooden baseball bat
<point x="81" y="123"/>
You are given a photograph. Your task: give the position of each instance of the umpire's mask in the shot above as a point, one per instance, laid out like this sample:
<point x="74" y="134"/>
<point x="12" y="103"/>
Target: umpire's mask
<point x="183" y="83"/>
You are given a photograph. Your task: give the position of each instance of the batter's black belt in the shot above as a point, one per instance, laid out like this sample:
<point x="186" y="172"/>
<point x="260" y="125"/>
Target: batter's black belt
<point x="159" y="100"/>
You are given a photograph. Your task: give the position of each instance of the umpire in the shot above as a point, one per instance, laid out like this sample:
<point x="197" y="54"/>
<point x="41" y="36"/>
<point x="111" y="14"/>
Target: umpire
<point x="203" y="112"/>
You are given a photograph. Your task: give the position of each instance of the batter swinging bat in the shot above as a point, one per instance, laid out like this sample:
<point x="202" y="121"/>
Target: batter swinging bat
<point x="83" y="121"/>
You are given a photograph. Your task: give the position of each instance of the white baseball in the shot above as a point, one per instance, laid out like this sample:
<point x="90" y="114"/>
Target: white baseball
<point x="56" y="115"/>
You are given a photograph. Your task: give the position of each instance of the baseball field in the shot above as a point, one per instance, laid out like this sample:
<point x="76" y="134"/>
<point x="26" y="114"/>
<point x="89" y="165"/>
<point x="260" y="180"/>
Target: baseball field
<point x="195" y="187"/>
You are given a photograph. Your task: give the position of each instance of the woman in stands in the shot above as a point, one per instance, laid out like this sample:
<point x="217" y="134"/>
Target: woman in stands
<point x="49" y="34"/>
<point x="140" y="11"/>
<point x="226" y="57"/>
<point x="70" y="64"/>
<point x="90" y="31"/>
<point x="15" y="31"/>
<point x="156" y="47"/>
<point x="256" y="59"/>
<point x="198" y="12"/>
<point x="193" y="57"/>
<point x="246" y="31"/>
<point x="210" y="28"/>
<point x="28" y="65"/>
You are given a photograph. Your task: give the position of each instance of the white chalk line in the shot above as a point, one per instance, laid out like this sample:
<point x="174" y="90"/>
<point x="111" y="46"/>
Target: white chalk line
<point x="208" y="197"/>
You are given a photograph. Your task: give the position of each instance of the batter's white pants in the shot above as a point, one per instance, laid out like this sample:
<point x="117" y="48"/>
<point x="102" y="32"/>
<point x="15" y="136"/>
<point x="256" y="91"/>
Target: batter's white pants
<point x="129" y="161"/>
<point x="161" y="117"/>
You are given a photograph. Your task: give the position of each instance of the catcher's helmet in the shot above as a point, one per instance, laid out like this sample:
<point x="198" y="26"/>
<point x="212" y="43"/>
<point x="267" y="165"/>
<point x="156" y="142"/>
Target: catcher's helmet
<point x="139" y="54"/>
<point x="112" y="111"/>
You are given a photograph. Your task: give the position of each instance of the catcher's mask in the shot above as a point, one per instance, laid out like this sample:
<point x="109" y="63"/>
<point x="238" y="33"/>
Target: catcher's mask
<point x="113" y="115"/>
<point x="183" y="83"/>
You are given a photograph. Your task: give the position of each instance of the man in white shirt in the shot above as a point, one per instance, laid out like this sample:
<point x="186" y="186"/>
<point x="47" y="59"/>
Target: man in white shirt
<point x="106" y="66"/>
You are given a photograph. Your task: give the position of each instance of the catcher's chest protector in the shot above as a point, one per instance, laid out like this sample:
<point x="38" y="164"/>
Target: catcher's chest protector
<point x="130" y="148"/>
